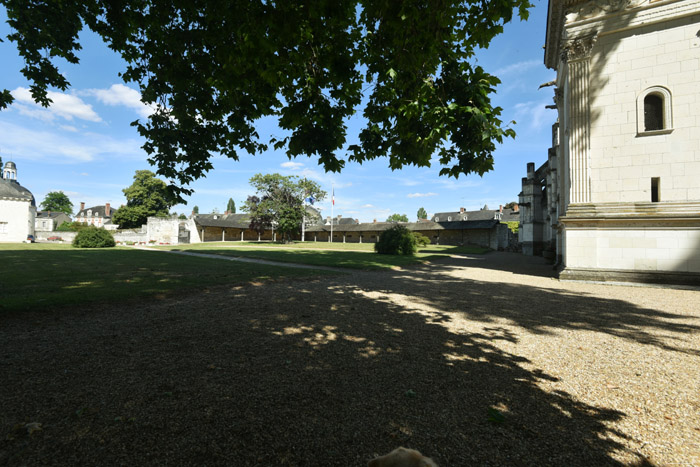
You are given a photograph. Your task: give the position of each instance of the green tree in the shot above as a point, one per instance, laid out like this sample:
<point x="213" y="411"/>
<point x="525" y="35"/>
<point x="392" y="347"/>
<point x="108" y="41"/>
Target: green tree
<point x="195" y="210"/>
<point x="147" y="196"/>
<point x="397" y="240"/>
<point x="57" y="201"/>
<point x="510" y="205"/>
<point x="231" y="206"/>
<point x="422" y="214"/>
<point x="213" y="69"/>
<point x="397" y="218"/>
<point x="278" y="202"/>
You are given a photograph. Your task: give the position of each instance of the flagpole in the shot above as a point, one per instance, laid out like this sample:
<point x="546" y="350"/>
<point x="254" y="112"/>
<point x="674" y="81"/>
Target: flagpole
<point x="303" y="217"/>
<point x="332" y="206"/>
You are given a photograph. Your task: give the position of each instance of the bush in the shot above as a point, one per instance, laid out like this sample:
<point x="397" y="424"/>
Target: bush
<point x="397" y="240"/>
<point x="71" y="227"/>
<point x="92" y="237"/>
<point x="421" y="240"/>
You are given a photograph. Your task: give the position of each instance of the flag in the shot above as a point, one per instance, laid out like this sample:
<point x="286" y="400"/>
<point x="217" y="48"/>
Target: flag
<point x="310" y="200"/>
<point x="333" y="197"/>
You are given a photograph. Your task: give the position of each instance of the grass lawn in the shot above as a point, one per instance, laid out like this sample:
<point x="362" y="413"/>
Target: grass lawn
<point x="43" y="275"/>
<point x="327" y="254"/>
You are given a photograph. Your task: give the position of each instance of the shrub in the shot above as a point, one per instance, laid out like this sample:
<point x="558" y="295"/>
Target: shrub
<point x="421" y="240"/>
<point x="92" y="237"/>
<point x="397" y="240"/>
<point x="514" y="226"/>
<point x="71" y="227"/>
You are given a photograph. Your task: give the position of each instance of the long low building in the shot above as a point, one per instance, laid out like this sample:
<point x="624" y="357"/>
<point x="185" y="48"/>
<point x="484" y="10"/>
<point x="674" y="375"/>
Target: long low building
<point x="491" y="233"/>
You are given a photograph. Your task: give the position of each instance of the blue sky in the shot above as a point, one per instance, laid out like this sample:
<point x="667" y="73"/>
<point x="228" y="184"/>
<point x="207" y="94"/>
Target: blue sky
<point x="84" y="146"/>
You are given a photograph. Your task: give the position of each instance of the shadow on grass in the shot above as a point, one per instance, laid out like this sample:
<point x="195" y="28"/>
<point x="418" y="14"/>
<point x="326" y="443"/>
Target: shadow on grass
<point x="324" y="373"/>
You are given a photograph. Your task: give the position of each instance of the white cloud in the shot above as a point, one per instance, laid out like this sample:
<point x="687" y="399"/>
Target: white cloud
<point x="519" y="67"/>
<point x="292" y="165"/>
<point x="66" y="106"/>
<point x="118" y="94"/>
<point x="367" y="206"/>
<point x="420" y="195"/>
<point x="70" y="128"/>
<point x="58" y="147"/>
<point x="535" y="113"/>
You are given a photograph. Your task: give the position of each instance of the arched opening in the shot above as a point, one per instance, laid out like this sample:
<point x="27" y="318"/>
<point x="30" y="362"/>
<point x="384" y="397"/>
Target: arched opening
<point x="653" y="112"/>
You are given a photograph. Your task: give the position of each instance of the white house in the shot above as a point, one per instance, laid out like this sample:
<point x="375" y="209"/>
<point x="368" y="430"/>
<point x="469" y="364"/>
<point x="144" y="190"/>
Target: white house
<point x="17" y="207"/>
<point x="619" y="195"/>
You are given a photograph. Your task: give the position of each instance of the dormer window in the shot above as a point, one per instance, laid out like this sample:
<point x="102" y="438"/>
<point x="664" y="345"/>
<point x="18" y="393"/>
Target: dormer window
<point x="437" y="219"/>
<point x="89" y="212"/>
<point x="449" y="218"/>
<point x="654" y="111"/>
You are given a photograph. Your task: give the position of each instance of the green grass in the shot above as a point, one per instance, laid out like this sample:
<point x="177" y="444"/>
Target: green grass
<point x="37" y="276"/>
<point x="326" y="254"/>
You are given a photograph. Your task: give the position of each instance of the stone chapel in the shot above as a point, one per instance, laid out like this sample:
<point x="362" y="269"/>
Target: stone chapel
<point x="619" y="195"/>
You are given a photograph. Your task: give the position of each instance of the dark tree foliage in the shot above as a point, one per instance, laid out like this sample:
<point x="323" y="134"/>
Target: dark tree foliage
<point x="93" y="237"/>
<point x="214" y="68"/>
<point x="231" y="206"/>
<point x="397" y="218"/>
<point x="422" y="214"/>
<point x="397" y="240"/>
<point x="279" y="202"/>
<point x="147" y="196"/>
<point x="57" y="201"/>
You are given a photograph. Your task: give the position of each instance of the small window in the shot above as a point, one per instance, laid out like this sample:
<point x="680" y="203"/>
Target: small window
<point x="654" y="111"/>
<point x="437" y="219"/>
<point x="655" y="185"/>
<point x="449" y="218"/>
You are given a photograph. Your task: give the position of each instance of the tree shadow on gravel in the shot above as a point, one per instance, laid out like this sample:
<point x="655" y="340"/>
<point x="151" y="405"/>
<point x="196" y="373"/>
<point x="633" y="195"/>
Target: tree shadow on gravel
<point x="326" y="373"/>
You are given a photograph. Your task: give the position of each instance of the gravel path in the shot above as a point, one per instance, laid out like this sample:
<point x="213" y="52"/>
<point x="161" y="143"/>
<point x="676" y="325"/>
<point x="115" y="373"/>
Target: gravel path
<point x="472" y="361"/>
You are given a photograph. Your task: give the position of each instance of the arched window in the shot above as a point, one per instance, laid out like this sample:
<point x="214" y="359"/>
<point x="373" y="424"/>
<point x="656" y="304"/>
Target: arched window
<point x="654" y="111"/>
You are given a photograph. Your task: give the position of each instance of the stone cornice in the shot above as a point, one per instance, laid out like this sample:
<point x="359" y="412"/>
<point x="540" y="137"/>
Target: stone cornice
<point x="571" y="19"/>
<point x="672" y="214"/>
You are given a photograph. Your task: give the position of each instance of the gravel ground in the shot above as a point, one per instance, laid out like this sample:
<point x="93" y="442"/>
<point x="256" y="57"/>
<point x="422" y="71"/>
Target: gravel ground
<point x="472" y="361"/>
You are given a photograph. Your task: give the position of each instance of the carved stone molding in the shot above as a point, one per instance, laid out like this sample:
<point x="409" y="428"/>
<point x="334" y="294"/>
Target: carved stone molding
<point x="579" y="48"/>
<point x="596" y="8"/>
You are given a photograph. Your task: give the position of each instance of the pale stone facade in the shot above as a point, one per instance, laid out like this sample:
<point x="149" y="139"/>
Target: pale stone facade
<point x="17" y="207"/>
<point x="622" y="180"/>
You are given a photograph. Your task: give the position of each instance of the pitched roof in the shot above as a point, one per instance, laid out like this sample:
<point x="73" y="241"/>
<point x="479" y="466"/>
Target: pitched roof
<point x="240" y="221"/>
<point x="96" y="211"/>
<point x="415" y="226"/>
<point x="50" y="214"/>
<point x="11" y="190"/>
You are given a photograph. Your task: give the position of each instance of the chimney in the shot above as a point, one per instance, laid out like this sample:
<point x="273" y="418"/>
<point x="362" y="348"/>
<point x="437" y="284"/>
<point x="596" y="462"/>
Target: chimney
<point x="374" y="221"/>
<point x="82" y="206"/>
<point x="461" y="210"/>
<point x="516" y="208"/>
<point x="500" y="208"/>
<point x="192" y="215"/>
<point x="357" y="221"/>
<point x="226" y="213"/>
<point x="108" y="209"/>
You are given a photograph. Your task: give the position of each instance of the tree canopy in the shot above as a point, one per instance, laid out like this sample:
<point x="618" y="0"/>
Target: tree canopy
<point x="421" y="214"/>
<point x="397" y="218"/>
<point x="278" y="202"/>
<point x="231" y="206"/>
<point x="57" y="201"/>
<point x="212" y="69"/>
<point x="147" y="196"/>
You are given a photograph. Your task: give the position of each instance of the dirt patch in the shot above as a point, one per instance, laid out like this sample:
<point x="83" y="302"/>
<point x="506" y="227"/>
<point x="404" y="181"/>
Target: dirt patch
<point x="472" y="361"/>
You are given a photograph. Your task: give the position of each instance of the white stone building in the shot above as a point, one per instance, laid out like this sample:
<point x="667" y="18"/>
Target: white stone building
<point x="619" y="196"/>
<point x="17" y="207"/>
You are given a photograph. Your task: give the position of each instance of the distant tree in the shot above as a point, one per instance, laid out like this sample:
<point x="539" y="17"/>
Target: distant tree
<point x="510" y="205"/>
<point x="422" y="214"/>
<point x="215" y="211"/>
<point x="182" y="217"/>
<point x="397" y="218"/>
<point x="147" y="196"/>
<point x="195" y="210"/>
<point x="231" y="206"/>
<point x="279" y="201"/>
<point x="57" y="201"/>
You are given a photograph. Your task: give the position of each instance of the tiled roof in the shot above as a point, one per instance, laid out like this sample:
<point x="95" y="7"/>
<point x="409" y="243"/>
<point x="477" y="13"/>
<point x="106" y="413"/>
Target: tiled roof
<point x="97" y="211"/>
<point x="239" y="221"/>
<point x="10" y="189"/>
<point x="416" y="226"/>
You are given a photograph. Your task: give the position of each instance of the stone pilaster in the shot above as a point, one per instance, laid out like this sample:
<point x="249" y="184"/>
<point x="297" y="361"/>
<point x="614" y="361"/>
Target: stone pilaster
<point x="578" y="58"/>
